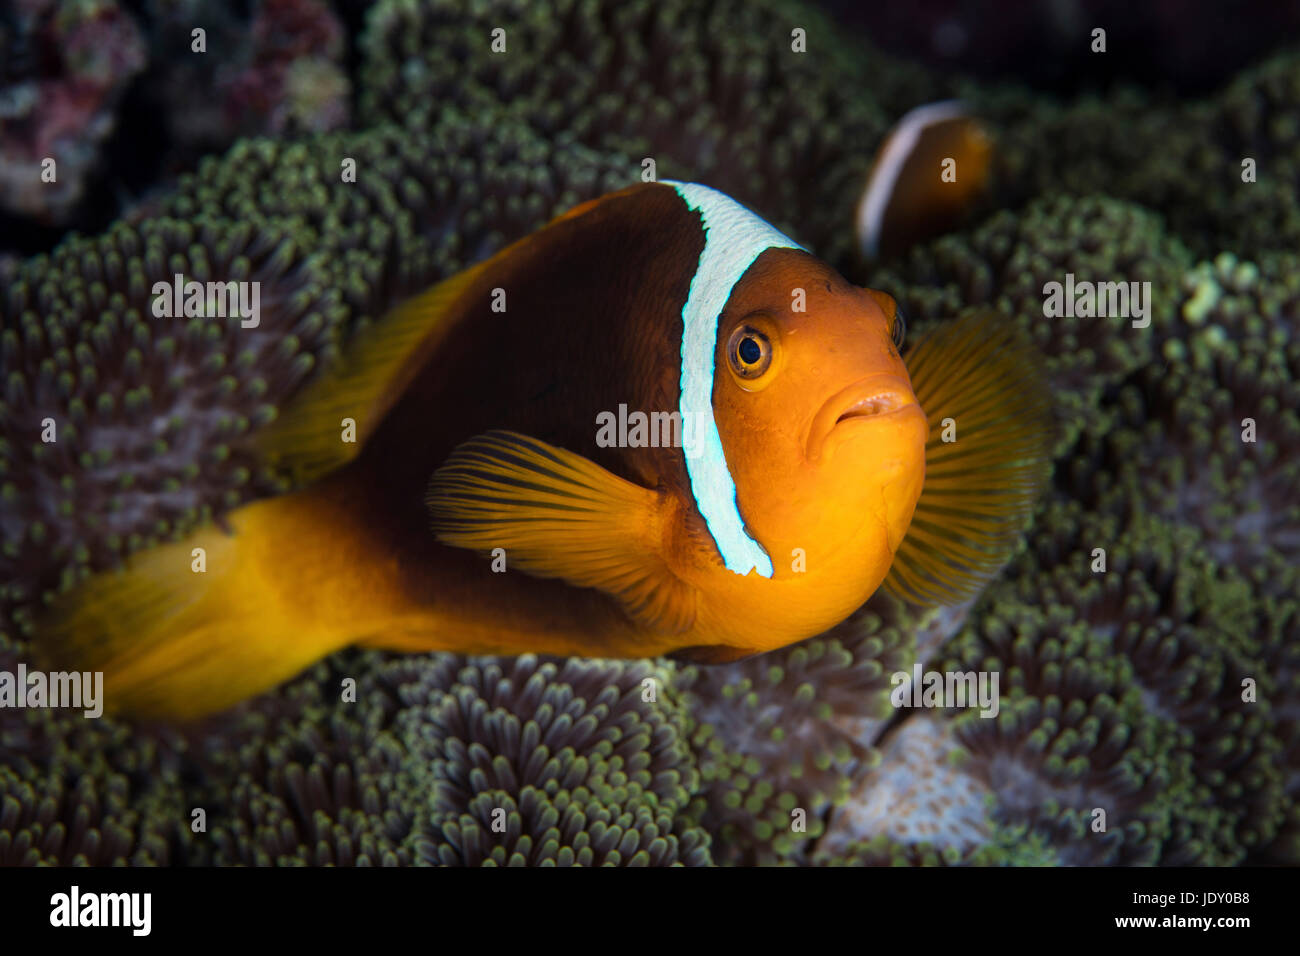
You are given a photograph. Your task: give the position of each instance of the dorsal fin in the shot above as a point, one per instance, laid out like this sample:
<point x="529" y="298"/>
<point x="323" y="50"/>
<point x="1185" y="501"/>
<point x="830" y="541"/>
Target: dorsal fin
<point x="981" y="487"/>
<point x="305" y="439"/>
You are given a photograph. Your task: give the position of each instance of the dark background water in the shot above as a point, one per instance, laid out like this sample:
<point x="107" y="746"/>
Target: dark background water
<point x="1177" y="47"/>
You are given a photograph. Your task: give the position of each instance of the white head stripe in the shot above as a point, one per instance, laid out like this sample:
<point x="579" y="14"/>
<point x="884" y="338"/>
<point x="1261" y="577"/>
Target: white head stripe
<point x="733" y="238"/>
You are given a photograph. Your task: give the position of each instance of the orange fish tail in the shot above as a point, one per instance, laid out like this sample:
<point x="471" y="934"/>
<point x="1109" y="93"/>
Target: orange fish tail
<point x="194" y="626"/>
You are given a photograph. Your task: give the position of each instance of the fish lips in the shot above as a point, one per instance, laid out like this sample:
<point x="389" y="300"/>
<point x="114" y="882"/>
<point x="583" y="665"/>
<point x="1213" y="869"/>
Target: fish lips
<point x="874" y="399"/>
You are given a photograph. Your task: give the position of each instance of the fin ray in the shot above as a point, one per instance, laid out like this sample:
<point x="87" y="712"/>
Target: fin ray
<point x="559" y="515"/>
<point x="980" y="489"/>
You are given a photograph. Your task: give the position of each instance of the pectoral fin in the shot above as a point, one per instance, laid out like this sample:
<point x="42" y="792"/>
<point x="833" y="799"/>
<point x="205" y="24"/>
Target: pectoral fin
<point x="560" y="515"/>
<point x="982" y="481"/>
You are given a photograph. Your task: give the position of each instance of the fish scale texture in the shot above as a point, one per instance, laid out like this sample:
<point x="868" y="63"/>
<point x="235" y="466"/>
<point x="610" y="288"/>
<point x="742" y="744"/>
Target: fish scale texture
<point x="1161" y="695"/>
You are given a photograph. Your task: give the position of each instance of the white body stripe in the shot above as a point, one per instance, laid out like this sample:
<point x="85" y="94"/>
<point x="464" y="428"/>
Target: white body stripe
<point x="733" y="238"/>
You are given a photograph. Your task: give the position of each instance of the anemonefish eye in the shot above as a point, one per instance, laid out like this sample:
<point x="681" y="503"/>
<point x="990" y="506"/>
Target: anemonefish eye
<point x="899" y="331"/>
<point x="750" y="352"/>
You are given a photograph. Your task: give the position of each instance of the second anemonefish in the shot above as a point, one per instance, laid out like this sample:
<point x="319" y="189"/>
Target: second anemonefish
<point x="479" y="511"/>
<point x="931" y="173"/>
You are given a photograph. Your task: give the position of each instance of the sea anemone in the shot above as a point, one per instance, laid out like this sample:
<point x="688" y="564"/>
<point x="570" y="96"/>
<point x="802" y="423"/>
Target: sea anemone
<point x="716" y="93"/>
<point x="1126" y="694"/>
<point x="783" y="737"/>
<point x="529" y="762"/>
<point x="1008" y="262"/>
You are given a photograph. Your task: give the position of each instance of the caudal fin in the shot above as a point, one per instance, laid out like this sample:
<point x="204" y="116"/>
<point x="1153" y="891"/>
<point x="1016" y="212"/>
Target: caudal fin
<point x="986" y="461"/>
<point x="187" y="628"/>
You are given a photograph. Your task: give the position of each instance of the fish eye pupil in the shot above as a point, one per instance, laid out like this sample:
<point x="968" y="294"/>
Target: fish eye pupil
<point x="750" y="351"/>
<point x="900" y="326"/>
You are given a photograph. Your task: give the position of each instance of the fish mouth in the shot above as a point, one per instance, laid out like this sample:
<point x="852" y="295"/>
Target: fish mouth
<point x="878" y="403"/>
<point x="870" y="399"/>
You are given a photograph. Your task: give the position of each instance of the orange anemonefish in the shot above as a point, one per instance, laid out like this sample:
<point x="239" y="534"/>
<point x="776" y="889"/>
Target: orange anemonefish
<point x="484" y="507"/>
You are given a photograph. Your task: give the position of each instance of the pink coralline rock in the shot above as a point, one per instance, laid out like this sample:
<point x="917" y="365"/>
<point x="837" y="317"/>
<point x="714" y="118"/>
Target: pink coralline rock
<point x="64" y="65"/>
<point x="292" y="80"/>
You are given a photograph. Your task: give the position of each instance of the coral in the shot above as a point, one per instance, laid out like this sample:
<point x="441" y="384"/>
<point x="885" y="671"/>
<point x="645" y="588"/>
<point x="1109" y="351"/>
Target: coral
<point x="122" y="96"/>
<point x="64" y="65"/>
<point x="292" y="80"/>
